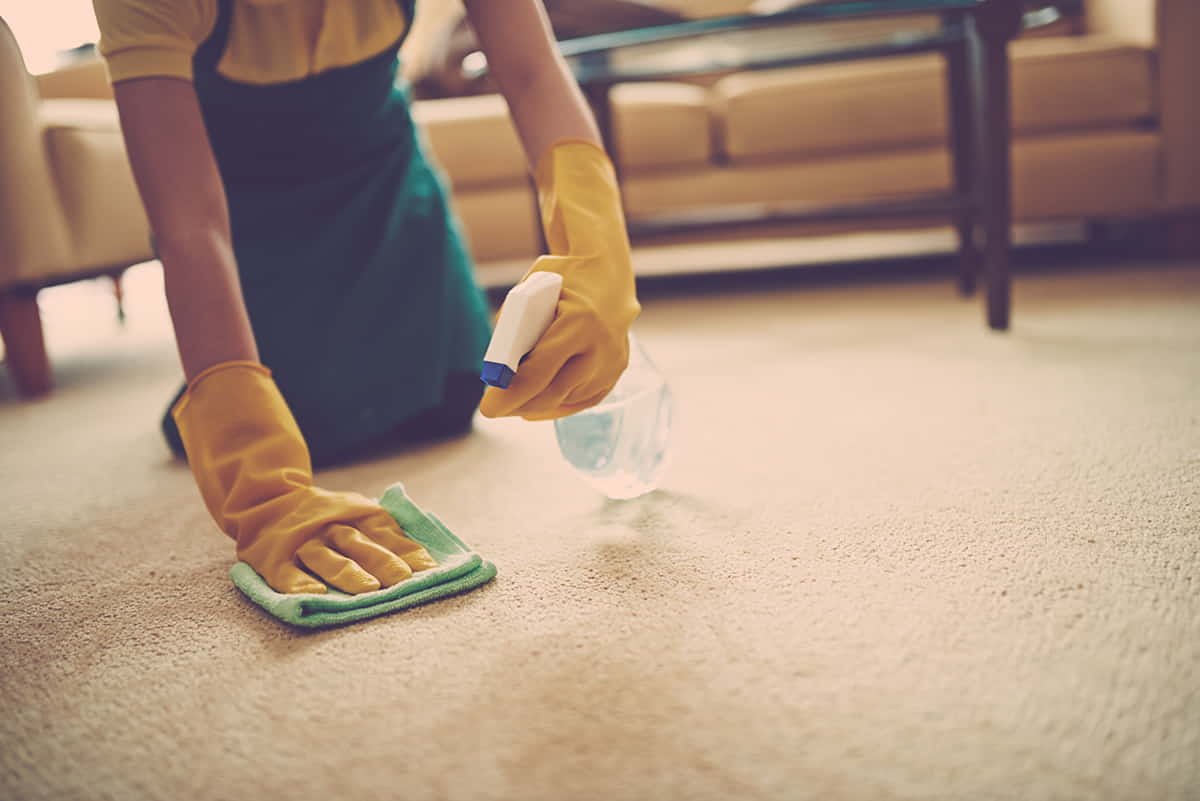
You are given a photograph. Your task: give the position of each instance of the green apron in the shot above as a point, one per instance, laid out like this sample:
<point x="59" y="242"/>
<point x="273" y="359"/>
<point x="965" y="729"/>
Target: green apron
<point x="356" y="280"/>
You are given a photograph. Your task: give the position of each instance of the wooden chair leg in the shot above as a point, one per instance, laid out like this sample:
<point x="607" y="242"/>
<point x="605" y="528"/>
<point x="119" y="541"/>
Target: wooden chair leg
<point x="119" y="293"/>
<point x="24" y="345"/>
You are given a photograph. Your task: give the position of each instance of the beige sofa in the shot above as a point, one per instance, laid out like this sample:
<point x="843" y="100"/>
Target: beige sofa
<point x="1107" y="123"/>
<point x="1106" y="126"/>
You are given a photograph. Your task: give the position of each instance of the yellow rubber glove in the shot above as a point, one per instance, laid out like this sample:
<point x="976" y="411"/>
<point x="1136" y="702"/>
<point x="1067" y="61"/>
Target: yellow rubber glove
<point x="254" y="472"/>
<point x="586" y="348"/>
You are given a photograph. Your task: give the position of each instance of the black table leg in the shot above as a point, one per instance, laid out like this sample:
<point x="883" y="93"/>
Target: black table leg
<point x="598" y="97"/>
<point x="962" y="154"/>
<point x="988" y="33"/>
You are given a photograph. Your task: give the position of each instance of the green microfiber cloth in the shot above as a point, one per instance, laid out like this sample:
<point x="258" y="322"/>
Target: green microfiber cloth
<point x="459" y="569"/>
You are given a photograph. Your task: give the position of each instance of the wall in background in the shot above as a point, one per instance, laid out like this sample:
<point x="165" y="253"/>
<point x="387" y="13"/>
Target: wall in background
<point x="47" y="30"/>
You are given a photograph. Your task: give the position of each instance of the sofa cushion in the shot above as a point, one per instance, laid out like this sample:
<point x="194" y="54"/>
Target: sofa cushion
<point x="661" y="125"/>
<point x="473" y="139"/>
<point x="656" y="125"/>
<point x="1077" y="82"/>
<point x="1059" y="83"/>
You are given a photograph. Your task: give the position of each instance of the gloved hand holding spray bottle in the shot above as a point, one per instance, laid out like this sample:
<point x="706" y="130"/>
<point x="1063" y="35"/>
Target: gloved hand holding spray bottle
<point x="576" y="305"/>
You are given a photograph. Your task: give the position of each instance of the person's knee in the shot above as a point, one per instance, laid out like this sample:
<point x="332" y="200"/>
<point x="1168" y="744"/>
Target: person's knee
<point x="461" y="398"/>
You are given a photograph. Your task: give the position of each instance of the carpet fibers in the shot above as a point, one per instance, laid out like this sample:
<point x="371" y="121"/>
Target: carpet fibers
<point x="897" y="557"/>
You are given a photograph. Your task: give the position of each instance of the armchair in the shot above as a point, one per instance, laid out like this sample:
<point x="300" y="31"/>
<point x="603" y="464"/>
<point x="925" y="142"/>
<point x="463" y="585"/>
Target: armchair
<point x="69" y="208"/>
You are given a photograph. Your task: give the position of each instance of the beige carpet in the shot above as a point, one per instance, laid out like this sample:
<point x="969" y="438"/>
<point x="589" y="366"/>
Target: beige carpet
<point x="898" y="557"/>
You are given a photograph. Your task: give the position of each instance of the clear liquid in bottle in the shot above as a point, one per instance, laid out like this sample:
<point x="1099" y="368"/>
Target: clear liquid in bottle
<point x="621" y="445"/>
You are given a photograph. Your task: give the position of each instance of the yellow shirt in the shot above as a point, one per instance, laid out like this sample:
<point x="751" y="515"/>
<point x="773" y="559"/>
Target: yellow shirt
<point x="270" y="41"/>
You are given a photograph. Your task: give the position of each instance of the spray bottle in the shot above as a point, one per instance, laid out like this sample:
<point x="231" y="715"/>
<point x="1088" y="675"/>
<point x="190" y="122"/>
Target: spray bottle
<point x="619" y="446"/>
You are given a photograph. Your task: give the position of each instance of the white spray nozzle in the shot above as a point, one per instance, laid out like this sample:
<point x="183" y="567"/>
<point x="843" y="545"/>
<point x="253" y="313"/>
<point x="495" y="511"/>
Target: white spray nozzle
<point x="526" y="314"/>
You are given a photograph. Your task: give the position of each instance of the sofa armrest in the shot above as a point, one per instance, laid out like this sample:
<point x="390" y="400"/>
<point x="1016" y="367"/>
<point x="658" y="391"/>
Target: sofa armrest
<point x="33" y="233"/>
<point x="1169" y="26"/>
<point x="88" y="79"/>
<point x="1176" y="24"/>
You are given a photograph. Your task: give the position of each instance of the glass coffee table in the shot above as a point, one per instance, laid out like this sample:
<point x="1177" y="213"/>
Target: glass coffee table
<point x="972" y="35"/>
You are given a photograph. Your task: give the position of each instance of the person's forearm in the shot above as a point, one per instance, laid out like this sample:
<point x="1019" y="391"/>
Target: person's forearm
<point x="205" y="299"/>
<point x="543" y="98"/>
<point x="185" y="203"/>
<point x="548" y="109"/>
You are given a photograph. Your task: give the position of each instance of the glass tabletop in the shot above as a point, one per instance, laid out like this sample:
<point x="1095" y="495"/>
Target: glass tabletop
<point x="752" y="46"/>
<point x="783" y="34"/>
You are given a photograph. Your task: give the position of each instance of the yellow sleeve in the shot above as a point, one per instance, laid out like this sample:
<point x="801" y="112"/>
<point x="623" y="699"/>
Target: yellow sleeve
<point x="152" y="38"/>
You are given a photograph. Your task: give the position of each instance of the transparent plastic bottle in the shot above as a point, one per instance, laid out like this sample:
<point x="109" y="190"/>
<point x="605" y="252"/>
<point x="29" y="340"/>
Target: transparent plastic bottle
<point x="621" y="445"/>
